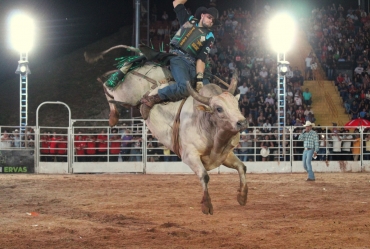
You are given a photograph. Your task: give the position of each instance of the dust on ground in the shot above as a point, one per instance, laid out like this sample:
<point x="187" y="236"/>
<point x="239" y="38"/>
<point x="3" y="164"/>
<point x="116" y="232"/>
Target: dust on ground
<point x="163" y="211"/>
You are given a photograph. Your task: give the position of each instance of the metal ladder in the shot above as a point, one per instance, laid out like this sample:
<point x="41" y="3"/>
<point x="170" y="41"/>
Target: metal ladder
<point x="23" y="99"/>
<point x="281" y="99"/>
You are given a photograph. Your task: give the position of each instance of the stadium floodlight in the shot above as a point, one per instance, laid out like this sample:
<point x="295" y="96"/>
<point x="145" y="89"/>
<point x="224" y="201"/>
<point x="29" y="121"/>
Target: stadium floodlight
<point x="22" y="32"/>
<point x="282" y="31"/>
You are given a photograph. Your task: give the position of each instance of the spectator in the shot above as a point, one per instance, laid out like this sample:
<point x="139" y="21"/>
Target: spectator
<point x="53" y="146"/>
<point x="308" y="111"/>
<point x="308" y="71"/>
<point x="269" y="100"/>
<point x="44" y="148"/>
<point x="5" y="141"/>
<point x="102" y="145"/>
<point x="346" y="146"/>
<point x="175" y="25"/>
<point x="17" y="139"/>
<point x="80" y="145"/>
<point x="243" y="88"/>
<point x="337" y="145"/>
<point x="266" y="144"/>
<point x="151" y="151"/>
<point x="165" y="17"/>
<point x="136" y="151"/>
<point x="356" y="147"/>
<point x="322" y="149"/>
<point x="114" y="146"/>
<point x="126" y="144"/>
<point x="91" y="148"/>
<point x="161" y="33"/>
<point x="307" y="97"/>
<point x="62" y="146"/>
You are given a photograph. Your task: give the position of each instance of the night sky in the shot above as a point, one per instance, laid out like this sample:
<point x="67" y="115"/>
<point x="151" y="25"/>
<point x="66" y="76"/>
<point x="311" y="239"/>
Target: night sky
<point x="64" y="25"/>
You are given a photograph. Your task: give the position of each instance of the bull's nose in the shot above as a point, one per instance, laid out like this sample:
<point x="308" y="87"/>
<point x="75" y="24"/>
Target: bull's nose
<point x="242" y="124"/>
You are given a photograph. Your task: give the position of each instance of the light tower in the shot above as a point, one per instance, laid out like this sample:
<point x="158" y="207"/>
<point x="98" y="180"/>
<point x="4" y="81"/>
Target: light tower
<point x="22" y="38"/>
<point x="281" y="35"/>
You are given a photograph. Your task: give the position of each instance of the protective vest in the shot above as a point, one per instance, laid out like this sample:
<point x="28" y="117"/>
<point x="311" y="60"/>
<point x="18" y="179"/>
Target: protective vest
<point x="190" y="38"/>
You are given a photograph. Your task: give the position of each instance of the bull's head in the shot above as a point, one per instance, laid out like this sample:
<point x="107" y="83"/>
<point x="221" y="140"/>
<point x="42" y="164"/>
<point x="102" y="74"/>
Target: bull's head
<point x="224" y="108"/>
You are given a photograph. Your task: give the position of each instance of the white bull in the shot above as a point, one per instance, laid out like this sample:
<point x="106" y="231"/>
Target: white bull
<point x="209" y="131"/>
<point x="209" y="127"/>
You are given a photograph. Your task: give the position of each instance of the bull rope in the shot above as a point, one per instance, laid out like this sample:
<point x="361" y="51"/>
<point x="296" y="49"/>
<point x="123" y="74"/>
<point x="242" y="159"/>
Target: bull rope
<point x="175" y="130"/>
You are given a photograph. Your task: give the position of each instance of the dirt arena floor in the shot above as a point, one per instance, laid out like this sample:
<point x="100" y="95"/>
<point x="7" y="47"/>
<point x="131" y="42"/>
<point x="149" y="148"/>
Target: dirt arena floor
<point x="163" y="211"/>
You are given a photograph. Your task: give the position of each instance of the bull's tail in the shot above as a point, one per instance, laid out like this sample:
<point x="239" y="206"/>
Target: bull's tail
<point x="91" y="57"/>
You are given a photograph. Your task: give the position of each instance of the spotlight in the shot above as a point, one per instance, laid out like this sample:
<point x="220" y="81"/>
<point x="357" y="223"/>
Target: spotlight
<point x="283" y="67"/>
<point x="23" y="68"/>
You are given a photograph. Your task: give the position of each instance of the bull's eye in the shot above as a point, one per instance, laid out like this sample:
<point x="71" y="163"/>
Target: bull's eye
<point x="219" y="109"/>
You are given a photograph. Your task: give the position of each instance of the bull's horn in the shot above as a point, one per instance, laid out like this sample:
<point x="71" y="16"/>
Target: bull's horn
<point x="197" y="96"/>
<point x="232" y="86"/>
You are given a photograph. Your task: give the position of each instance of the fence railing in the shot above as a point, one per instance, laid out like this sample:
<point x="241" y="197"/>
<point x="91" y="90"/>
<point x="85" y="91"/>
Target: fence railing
<point x="134" y="143"/>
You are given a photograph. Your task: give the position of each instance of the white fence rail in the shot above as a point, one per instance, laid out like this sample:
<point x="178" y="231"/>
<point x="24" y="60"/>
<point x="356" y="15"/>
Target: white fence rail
<point x="90" y="146"/>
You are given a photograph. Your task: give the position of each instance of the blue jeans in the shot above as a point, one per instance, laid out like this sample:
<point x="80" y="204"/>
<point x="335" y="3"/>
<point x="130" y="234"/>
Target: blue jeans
<point x="330" y="73"/>
<point x="307" y="158"/>
<point x="182" y="70"/>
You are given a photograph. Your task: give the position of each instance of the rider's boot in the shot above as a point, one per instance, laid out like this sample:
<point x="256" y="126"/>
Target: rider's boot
<point x="147" y="103"/>
<point x="115" y="78"/>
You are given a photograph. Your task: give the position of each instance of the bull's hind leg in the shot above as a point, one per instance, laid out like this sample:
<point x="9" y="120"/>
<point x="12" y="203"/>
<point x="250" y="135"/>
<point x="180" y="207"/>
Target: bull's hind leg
<point x="196" y="165"/>
<point x="234" y="162"/>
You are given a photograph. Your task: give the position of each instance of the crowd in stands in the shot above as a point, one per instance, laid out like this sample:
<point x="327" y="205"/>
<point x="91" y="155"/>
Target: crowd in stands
<point x="340" y="39"/>
<point x="239" y="49"/>
<point x="16" y="139"/>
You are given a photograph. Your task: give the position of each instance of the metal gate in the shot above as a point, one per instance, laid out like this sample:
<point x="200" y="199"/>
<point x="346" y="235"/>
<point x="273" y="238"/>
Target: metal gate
<point x="99" y="148"/>
<point x="53" y="145"/>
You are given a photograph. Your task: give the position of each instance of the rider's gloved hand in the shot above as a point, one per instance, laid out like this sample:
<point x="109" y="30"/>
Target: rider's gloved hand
<point x="199" y="80"/>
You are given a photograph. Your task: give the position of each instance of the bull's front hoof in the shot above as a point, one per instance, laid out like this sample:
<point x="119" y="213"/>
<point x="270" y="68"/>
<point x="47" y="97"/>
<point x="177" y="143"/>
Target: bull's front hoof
<point x="207" y="207"/>
<point x="113" y="118"/>
<point x="242" y="196"/>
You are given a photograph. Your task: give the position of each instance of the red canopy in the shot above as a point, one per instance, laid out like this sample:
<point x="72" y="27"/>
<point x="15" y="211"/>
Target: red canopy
<point x="357" y="122"/>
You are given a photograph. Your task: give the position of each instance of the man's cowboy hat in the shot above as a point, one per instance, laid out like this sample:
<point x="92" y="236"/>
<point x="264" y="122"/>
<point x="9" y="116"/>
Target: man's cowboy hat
<point x="203" y="10"/>
<point x="265" y="152"/>
<point x="308" y="123"/>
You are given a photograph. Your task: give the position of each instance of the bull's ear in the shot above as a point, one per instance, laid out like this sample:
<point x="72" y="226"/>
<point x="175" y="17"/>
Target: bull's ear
<point x="237" y="96"/>
<point x="204" y="108"/>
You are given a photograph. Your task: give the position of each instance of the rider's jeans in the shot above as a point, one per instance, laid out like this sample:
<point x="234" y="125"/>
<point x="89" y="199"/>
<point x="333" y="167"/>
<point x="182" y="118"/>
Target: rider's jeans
<point x="182" y="70"/>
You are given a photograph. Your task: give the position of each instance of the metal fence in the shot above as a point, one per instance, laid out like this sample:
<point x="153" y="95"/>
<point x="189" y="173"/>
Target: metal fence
<point x="87" y="141"/>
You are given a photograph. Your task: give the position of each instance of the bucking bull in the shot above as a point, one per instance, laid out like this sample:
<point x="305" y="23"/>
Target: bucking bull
<point x="206" y="124"/>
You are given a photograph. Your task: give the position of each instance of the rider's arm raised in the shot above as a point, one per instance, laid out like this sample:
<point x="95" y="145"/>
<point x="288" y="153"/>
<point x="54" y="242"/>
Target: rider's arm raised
<point x="181" y="12"/>
<point x="177" y="2"/>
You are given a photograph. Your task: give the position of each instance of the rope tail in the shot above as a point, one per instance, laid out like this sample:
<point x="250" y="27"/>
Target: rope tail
<point x="92" y="57"/>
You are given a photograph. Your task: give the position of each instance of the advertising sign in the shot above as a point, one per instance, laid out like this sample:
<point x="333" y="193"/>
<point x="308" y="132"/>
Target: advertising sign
<point x="17" y="161"/>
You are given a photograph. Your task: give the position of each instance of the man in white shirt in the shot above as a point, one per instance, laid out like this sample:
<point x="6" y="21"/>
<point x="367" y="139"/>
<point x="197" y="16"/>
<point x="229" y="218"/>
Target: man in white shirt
<point x="5" y="141"/>
<point x="266" y="126"/>
<point x="269" y="99"/>
<point x="359" y="69"/>
<point x="308" y="110"/>
<point x="243" y="88"/>
<point x="263" y="73"/>
<point x="346" y="146"/>
<point x="337" y="145"/>
<point x="307" y="72"/>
